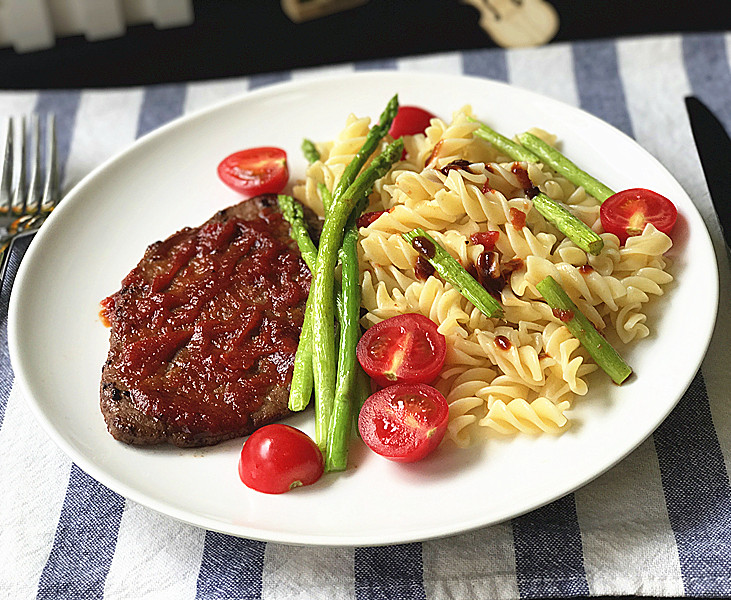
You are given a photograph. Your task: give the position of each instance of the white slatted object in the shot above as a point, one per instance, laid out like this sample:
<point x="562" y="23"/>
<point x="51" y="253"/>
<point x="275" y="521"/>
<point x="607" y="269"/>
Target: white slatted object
<point x="29" y="25"/>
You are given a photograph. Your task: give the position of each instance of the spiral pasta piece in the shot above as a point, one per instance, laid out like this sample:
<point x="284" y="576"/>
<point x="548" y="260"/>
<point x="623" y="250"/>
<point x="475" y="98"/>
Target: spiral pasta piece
<point x="519" y="415"/>
<point x="462" y="387"/>
<point x="561" y="346"/>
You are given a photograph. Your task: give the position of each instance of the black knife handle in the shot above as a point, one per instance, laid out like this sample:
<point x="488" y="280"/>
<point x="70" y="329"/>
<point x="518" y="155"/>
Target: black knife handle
<point x="11" y="262"/>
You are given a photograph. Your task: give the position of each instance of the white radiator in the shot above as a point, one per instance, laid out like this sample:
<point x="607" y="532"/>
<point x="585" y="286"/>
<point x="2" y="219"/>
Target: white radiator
<point x="29" y="25"/>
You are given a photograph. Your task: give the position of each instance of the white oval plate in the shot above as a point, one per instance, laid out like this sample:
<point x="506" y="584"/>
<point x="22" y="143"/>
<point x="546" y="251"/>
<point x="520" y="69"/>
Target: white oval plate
<point x="168" y="180"/>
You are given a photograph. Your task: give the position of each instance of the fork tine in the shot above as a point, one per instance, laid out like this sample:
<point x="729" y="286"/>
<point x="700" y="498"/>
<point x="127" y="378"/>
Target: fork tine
<point x="51" y="193"/>
<point x="18" y="202"/>
<point x="6" y="182"/>
<point x="32" y="201"/>
<point x="27" y="206"/>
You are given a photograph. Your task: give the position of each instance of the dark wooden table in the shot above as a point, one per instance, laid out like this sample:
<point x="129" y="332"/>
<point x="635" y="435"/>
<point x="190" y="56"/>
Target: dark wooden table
<point x="242" y="37"/>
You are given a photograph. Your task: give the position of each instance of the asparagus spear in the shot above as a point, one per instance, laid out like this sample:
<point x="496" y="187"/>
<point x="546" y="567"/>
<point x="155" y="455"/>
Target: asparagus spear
<point x="572" y="227"/>
<point x="582" y="329"/>
<point x="294" y="214"/>
<point x="336" y="455"/>
<point x="505" y="145"/>
<point x="453" y="272"/>
<point x="326" y="196"/>
<point x="375" y="135"/>
<point x="559" y="163"/>
<point x="348" y="382"/>
<point x="300" y="389"/>
<point x="323" y="341"/>
<point x="310" y="151"/>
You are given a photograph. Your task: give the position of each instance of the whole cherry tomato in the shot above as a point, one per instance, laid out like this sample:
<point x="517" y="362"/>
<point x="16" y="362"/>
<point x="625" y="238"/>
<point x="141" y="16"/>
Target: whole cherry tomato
<point x="255" y="171"/>
<point x="278" y="457"/>
<point x="404" y="422"/>
<point x="627" y="212"/>
<point x="410" y="120"/>
<point x="403" y="349"/>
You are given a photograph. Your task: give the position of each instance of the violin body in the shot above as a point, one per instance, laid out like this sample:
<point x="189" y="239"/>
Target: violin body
<point x="517" y="23"/>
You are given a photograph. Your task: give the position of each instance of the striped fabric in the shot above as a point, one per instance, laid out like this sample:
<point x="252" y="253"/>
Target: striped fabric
<point x="658" y="524"/>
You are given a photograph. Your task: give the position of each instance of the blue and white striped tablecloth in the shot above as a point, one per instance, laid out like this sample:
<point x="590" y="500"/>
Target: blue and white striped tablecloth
<point x="658" y="524"/>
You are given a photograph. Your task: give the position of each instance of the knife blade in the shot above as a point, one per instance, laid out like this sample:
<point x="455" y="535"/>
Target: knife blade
<point x="714" y="150"/>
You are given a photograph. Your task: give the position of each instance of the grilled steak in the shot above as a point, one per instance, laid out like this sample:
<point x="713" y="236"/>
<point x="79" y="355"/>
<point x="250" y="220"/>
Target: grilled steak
<point x="204" y="331"/>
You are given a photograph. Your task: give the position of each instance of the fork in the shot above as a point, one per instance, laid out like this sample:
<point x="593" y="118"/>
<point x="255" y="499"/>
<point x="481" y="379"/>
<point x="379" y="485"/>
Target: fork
<point x="24" y="207"/>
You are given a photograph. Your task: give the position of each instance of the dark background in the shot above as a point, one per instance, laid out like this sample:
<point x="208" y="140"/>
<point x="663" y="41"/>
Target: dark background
<point x="244" y="37"/>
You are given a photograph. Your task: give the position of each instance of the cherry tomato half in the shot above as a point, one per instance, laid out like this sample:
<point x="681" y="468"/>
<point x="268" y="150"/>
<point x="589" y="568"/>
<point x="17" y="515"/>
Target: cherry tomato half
<point x="403" y="349"/>
<point x="404" y="422"/>
<point x="627" y="212"/>
<point x="277" y="458"/>
<point x="410" y="120"/>
<point x="255" y="171"/>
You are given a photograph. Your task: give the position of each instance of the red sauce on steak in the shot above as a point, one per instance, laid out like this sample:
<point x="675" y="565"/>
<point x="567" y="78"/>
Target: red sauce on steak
<point x="208" y="322"/>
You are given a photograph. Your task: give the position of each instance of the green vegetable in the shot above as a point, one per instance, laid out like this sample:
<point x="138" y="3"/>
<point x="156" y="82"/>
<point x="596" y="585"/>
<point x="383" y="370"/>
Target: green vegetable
<point x="559" y="163"/>
<point x="336" y="455"/>
<point x="453" y="272"/>
<point x="302" y="376"/>
<point x="310" y="151"/>
<point x="505" y="145"/>
<point x="348" y="382"/>
<point x="375" y="135"/>
<point x="323" y="322"/>
<point x="361" y="391"/>
<point x="326" y="196"/>
<point x="572" y="227"/>
<point x="582" y="329"/>
<point x="294" y="214"/>
<point x="301" y="387"/>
